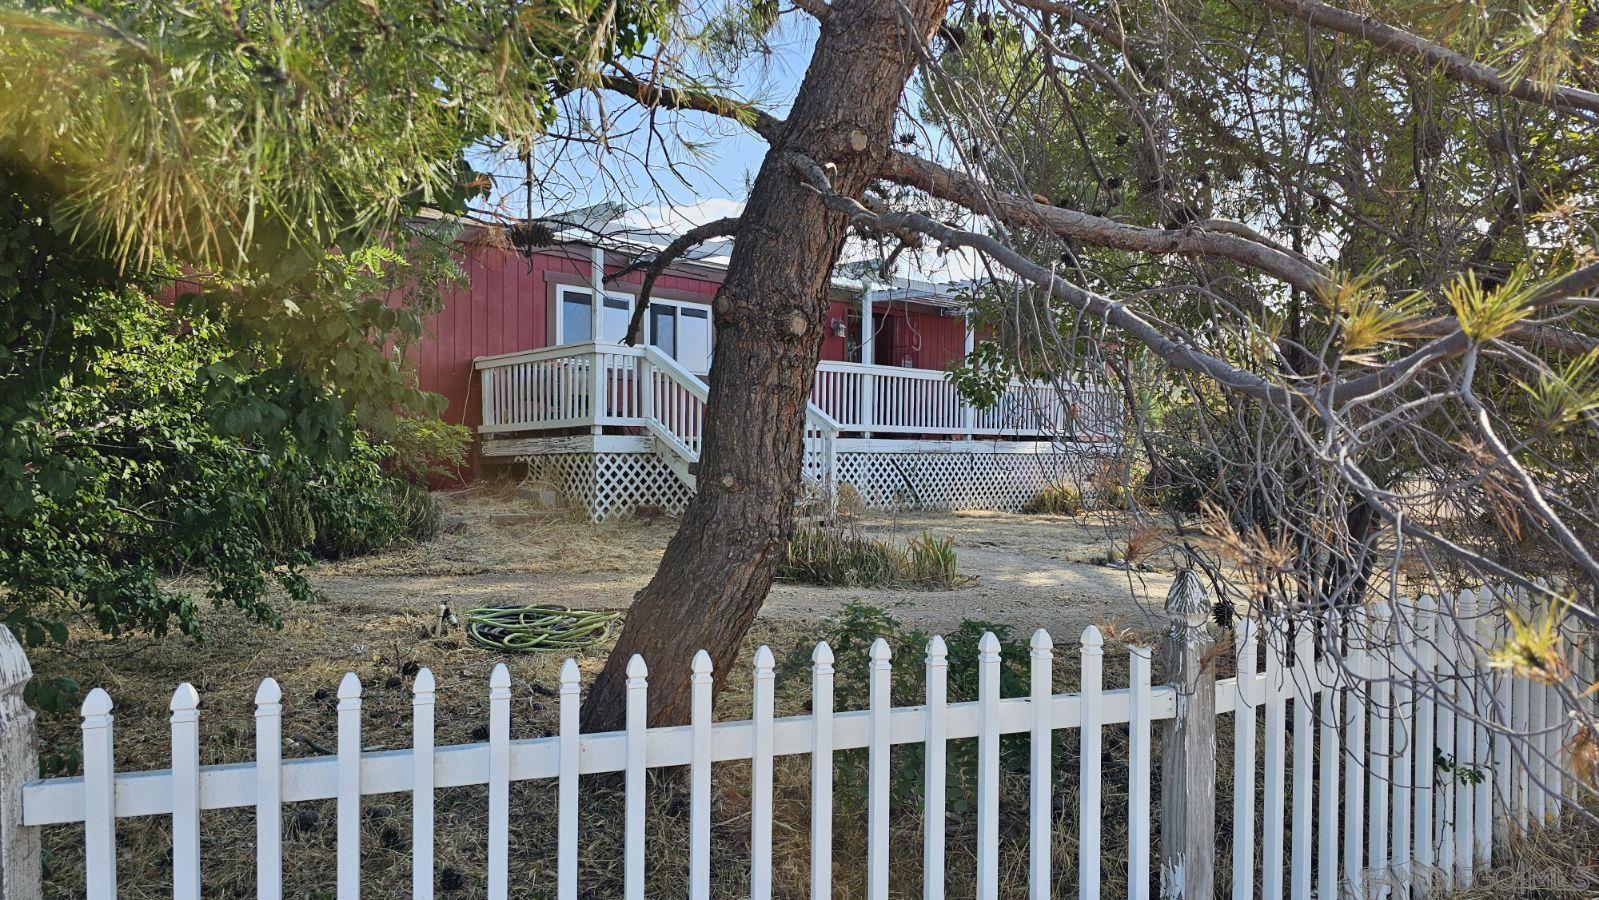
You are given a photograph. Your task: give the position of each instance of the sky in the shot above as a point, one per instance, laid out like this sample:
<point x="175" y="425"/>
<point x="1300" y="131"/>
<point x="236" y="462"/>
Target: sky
<point x="714" y="161"/>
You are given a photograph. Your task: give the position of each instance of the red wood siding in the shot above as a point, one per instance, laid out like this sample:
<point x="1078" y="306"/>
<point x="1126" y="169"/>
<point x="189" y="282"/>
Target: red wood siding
<point x="503" y="308"/>
<point x="931" y="340"/>
<point x="832" y="344"/>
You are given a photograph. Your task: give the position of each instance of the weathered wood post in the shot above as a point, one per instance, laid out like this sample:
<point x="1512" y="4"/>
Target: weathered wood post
<point x="1188" y="758"/>
<point x="19" y="763"/>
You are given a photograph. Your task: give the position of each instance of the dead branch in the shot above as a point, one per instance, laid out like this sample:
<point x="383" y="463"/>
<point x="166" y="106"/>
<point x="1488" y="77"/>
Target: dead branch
<point x="657" y="264"/>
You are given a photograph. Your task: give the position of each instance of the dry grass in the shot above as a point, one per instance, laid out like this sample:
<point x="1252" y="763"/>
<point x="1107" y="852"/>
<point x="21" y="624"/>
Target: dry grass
<point x="489" y="528"/>
<point x="320" y="643"/>
<point x="1548" y="863"/>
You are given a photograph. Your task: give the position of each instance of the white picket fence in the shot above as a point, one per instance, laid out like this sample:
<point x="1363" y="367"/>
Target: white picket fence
<point x="1355" y="800"/>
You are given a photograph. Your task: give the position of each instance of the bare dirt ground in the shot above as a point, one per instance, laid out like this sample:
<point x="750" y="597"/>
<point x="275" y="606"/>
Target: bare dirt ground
<point x="1026" y="571"/>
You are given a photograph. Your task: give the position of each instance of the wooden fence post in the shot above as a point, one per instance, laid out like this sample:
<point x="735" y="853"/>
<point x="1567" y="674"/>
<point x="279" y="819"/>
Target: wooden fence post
<point x="19" y="763"/>
<point x="1188" y="758"/>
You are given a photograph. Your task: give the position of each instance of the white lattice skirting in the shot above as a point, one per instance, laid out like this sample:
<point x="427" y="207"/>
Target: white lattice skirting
<point x="614" y="484"/>
<point x="611" y="484"/>
<point x="956" y="480"/>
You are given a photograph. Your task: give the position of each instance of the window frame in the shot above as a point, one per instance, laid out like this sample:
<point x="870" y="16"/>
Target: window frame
<point x="562" y="284"/>
<point x="701" y="310"/>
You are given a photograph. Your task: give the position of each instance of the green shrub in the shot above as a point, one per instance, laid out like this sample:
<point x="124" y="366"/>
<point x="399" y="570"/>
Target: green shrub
<point x="347" y="508"/>
<point x="422" y="448"/>
<point x="1182" y="476"/>
<point x="838" y="557"/>
<point x="851" y="635"/>
<point x="931" y="560"/>
<point x="159" y="457"/>
<point x="1057" y="500"/>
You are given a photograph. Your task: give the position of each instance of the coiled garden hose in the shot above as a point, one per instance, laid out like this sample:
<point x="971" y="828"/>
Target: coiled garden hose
<point x="525" y="629"/>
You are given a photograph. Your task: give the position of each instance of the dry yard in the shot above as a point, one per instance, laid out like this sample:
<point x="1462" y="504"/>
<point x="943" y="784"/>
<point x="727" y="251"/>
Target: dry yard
<point x="1028" y="571"/>
<point x="377" y="614"/>
<point x="377" y="617"/>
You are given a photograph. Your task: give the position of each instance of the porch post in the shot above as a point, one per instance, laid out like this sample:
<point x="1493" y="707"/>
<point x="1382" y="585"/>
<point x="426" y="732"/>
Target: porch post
<point x="968" y="413"/>
<point x="596" y="290"/>
<point x="596" y="323"/>
<point x="868" y="381"/>
<point x="19" y="762"/>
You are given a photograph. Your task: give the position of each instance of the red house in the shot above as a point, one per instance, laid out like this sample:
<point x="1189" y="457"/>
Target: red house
<point x="528" y="355"/>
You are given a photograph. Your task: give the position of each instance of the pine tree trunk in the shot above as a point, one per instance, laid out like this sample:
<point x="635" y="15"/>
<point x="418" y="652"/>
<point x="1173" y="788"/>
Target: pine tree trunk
<point x="770" y="315"/>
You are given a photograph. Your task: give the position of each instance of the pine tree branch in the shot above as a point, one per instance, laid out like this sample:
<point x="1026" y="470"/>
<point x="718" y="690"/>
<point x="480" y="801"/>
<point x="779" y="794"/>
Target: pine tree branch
<point x="1452" y="64"/>
<point x="657" y="264"/>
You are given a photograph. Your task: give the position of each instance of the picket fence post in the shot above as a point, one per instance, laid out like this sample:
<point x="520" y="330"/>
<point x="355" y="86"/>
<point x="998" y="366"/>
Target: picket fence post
<point x="19" y="763"/>
<point x="1188" y="759"/>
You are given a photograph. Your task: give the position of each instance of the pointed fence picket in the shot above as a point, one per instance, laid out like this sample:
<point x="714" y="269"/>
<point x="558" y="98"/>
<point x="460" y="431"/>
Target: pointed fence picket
<point x="1385" y="773"/>
<point x="1041" y="766"/>
<point x="933" y="772"/>
<point x="1305" y="691"/>
<point x="699" y="852"/>
<point x="422" y="690"/>
<point x="186" y="793"/>
<point x="349" y="789"/>
<point x="269" y="791"/>
<point x="1245" y="650"/>
<point x="1275" y="762"/>
<point x="878" y="704"/>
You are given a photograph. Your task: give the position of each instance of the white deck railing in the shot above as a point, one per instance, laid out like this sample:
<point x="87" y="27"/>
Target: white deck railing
<point x="556" y="388"/>
<point x="596" y="385"/>
<point x="1380" y="812"/>
<point x="892" y="400"/>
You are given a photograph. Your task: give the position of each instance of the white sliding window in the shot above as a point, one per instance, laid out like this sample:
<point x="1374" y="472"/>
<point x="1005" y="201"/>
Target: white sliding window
<point x="575" y="316"/>
<point x="694" y="338"/>
<point x="618" y="311"/>
<point x="683" y="332"/>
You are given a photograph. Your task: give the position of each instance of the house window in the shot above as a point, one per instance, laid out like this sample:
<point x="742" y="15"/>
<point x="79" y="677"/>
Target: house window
<point x="618" y="310"/>
<point x="577" y="316"/>
<point x="694" y="338"/>
<point x="683" y="332"/>
<point x="663" y="328"/>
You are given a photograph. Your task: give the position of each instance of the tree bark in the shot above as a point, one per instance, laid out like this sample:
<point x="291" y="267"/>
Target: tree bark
<point x="770" y="313"/>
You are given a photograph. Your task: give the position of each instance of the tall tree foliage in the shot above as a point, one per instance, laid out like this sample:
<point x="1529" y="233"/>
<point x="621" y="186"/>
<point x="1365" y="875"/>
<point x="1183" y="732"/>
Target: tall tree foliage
<point x="253" y="164"/>
<point x="140" y="444"/>
<point x="1410" y="195"/>
<point x="245" y="142"/>
<point x="1341" y="263"/>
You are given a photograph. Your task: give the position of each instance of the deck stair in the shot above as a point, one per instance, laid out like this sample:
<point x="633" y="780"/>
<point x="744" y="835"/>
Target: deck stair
<point x="611" y="386"/>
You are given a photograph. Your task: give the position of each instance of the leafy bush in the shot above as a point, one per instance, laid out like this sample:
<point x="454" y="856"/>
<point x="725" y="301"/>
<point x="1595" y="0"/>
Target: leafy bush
<point x="129" y="472"/>
<point x="141" y="440"/>
<point x="1182" y="476"/>
<point x="422" y="448"/>
<point x="835" y="556"/>
<point x="851" y="635"/>
<point x="347" y="509"/>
